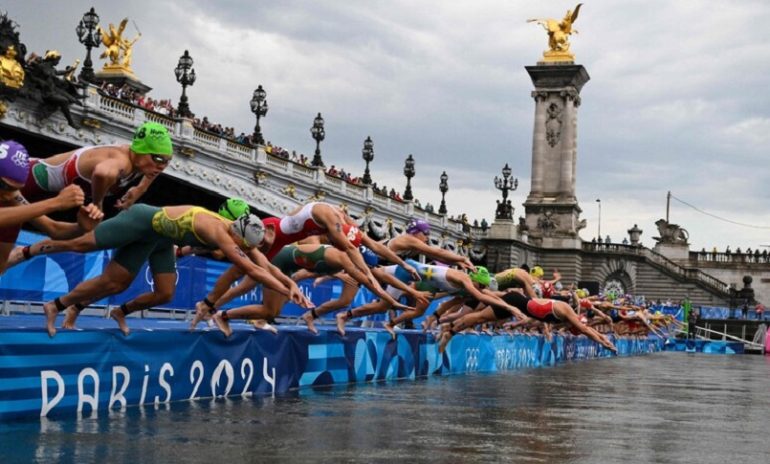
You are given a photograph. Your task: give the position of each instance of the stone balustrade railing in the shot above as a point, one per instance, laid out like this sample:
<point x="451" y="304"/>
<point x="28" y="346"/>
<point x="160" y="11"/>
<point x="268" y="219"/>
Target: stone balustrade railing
<point x="706" y="257"/>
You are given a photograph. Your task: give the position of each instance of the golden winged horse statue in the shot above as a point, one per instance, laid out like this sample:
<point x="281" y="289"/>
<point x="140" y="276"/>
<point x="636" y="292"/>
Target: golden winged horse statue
<point x="558" y="35"/>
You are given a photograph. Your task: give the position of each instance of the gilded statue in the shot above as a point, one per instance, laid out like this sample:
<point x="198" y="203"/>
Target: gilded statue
<point x="69" y="71"/>
<point x="290" y="190"/>
<point x="118" y="49"/>
<point x="11" y="71"/>
<point x="558" y="35"/>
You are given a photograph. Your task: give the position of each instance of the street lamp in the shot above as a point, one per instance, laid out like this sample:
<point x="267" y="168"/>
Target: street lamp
<point x="504" y="208"/>
<point x="368" y="154"/>
<point x="88" y="35"/>
<point x="444" y="187"/>
<point x="409" y="173"/>
<point x="259" y="108"/>
<point x="599" y="222"/>
<point x="318" y="135"/>
<point x="185" y="75"/>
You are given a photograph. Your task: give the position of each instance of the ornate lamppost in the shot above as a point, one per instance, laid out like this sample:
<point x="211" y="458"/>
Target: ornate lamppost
<point x="319" y="134"/>
<point x="599" y="222"/>
<point x="444" y="187"/>
<point x="88" y="35"/>
<point x="185" y="75"/>
<point x="409" y="173"/>
<point x="259" y="108"/>
<point x="368" y="154"/>
<point x="504" y="208"/>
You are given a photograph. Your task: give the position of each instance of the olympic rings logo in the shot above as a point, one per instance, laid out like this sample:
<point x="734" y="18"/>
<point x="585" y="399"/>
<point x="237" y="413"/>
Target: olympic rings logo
<point x="471" y="359"/>
<point x="151" y="282"/>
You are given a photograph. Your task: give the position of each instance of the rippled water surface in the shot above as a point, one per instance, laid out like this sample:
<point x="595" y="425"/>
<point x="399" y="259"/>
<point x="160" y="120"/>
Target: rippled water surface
<point x="667" y="407"/>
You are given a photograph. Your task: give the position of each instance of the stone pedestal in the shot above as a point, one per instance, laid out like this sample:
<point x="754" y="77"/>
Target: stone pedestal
<point x="502" y="229"/>
<point x="551" y="209"/>
<point x="120" y="76"/>
<point x="679" y="252"/>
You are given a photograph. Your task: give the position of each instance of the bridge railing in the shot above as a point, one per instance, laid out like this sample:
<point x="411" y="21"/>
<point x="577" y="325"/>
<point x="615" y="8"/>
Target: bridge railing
<point x="724" y="257"/>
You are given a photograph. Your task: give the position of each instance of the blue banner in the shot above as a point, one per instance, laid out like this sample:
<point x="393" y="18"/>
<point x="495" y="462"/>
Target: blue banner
<point x="705" y="346"/>
<point x="47" y="277"/>
<point x="100" y="369"/>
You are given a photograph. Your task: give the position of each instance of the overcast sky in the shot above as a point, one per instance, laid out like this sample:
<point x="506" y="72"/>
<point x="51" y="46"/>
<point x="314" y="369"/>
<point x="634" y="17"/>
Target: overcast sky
<point x="678" y="98"/>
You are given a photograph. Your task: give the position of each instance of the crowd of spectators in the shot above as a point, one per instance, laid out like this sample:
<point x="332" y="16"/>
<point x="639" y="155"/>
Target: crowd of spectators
<point x="748" y="255"/>
<point x="281" y="152"/>
<point x="226" y="132"/>
<point x="131" y="96"/>
<point x="165" y="107"/>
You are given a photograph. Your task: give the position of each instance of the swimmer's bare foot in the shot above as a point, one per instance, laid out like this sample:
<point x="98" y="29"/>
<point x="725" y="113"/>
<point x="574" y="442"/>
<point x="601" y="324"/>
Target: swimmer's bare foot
<point x="443" y="341"/>
<point x="262" y="324"/>
<point x="389" y="327"/>
<point x="120" y="317"/>
<point x="310" y="321"/>
<point x="428" y="322"/>
<point x="50" y="317"/>
<point x="342" y="318"/>
<point x="201" y="311"/>
<point x="70" y="316"/>
<point x="220" y="319"/>
<point x="15" y="257"/>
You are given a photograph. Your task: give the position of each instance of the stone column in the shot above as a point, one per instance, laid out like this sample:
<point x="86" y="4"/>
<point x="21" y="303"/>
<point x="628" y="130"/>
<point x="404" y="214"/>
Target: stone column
<point x="551" y="209"/>
<point x="538" y="136"/>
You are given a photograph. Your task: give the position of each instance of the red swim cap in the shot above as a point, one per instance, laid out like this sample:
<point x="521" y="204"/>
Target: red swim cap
<point x="353" y="234"/>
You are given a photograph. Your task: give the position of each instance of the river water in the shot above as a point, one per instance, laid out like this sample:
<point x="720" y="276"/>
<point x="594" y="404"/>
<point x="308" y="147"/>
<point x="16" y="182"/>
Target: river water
<point x="666" y="407"/>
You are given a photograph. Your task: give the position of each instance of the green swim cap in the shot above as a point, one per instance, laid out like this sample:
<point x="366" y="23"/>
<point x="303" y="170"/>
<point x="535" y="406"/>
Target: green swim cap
<point x="233" y="208"/>
<point x="152" y="138"/>
<point x="480" y="276"/>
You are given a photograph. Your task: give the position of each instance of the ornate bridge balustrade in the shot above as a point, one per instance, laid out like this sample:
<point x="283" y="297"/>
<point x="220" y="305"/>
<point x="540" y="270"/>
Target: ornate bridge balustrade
<point x="272" y="184"/>
<point x="708" y="257"/>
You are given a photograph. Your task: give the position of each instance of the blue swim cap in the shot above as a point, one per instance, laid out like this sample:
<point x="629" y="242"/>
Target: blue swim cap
<point x="370" y="258"/>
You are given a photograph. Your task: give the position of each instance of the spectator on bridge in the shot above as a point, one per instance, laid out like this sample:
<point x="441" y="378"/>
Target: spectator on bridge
<point x="745" y="310"/>
<point x="760" y="311"/>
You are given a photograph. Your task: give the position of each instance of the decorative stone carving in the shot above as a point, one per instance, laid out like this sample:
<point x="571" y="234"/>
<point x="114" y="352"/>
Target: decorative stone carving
<point x="671" y="233"/>
<point x="553" y="123"/>
<point x="290" y="191"/>
<point x="547" y="223"/>
<point x="319" y="195"/>
<point x="259" y="176"/>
